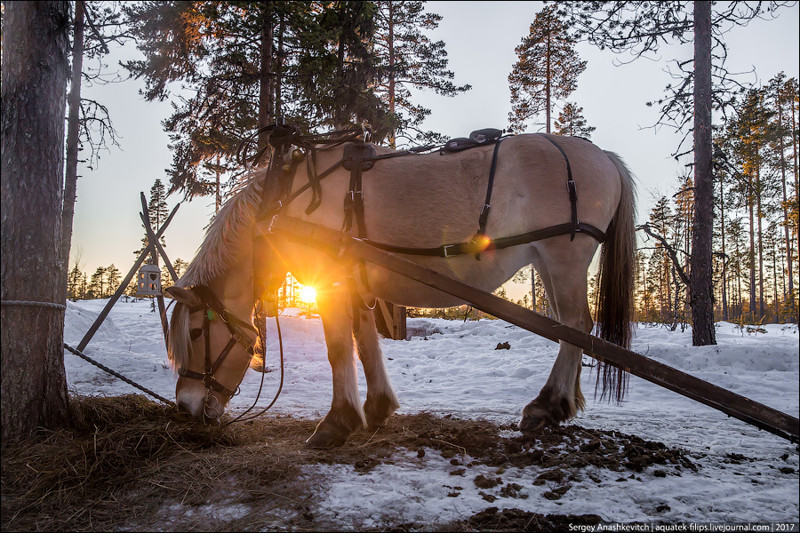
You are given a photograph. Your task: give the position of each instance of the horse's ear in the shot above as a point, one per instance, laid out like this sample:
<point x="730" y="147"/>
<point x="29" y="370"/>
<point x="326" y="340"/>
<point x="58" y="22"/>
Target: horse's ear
<point x="184" y="296"/>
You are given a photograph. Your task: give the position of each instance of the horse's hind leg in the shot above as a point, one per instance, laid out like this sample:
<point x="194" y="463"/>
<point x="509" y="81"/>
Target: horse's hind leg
<point x="563" y="266"/>
<point x="381" y="400"/>
<point x="346" y="414"/>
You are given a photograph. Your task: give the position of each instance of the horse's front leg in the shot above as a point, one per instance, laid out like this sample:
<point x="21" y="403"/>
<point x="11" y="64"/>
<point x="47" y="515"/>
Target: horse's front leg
<point x="346" y="414"/>
<point x="381" y="400"/>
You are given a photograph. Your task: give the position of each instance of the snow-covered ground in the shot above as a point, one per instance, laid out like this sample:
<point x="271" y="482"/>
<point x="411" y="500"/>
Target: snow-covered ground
<point x="452" y="367"/>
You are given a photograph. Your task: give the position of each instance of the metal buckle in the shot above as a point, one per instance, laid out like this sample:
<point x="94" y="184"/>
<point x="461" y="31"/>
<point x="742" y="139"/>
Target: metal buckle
<point x="446" y="251"/>
<point x="271" y="227"/>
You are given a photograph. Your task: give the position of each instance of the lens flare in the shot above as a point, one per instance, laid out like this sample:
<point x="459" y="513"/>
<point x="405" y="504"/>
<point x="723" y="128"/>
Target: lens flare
<point x="308" y="294"/>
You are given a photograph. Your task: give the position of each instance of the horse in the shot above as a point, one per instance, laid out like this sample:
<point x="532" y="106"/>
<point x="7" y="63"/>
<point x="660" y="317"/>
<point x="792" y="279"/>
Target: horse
<point x="413" y="201"/>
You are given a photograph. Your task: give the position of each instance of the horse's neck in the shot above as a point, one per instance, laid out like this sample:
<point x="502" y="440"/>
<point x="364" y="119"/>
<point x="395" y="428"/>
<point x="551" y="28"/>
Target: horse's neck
<point x="235" y="287"/>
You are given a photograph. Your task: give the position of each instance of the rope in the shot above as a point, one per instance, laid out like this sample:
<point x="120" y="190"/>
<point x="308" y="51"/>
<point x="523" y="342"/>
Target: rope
<point x="118" y="375"/>
<point x="28" y="303"/>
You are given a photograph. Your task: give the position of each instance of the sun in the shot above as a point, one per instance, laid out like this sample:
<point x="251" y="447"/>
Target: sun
<point x="308" y="294"/>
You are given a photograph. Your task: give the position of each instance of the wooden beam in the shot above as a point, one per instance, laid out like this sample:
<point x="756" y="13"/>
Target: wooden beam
<point x="728" y="402"/>
<point x="107" y="309"/>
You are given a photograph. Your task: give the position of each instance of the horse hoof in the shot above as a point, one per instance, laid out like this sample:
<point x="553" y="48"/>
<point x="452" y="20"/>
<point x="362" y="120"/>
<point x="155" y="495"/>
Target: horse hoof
<point x="325" y="440"/>
<point x="530" y="424"/>
<point x="378" y="411"/>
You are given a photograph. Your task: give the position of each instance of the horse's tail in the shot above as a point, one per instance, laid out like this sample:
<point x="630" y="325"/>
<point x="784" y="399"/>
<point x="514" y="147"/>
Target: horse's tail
<point x="617" y="274"/>
<point x="178" y="342"/>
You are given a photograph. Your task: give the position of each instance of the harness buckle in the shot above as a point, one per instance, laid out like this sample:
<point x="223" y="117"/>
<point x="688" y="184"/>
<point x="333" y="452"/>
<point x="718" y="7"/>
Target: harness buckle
<point x="272" y="222"/>
<point x="356" y="194"/>
<point x="446" y="250"/>
<point x="573" y="193"/>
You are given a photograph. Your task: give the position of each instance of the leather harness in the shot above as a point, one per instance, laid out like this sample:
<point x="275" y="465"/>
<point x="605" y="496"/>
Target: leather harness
<point x="358" y="156"/>
<point x="212" y="309"/>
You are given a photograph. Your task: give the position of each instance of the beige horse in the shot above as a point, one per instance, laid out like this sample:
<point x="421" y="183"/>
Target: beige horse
<point x="417" y="201"/>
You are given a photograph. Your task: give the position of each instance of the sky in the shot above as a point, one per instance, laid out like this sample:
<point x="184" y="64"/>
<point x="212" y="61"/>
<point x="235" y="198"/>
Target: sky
<point x="480" y="39"/>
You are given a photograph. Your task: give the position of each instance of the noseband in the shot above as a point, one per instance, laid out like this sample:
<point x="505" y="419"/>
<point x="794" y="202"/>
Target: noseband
<point x="212" y="309"/>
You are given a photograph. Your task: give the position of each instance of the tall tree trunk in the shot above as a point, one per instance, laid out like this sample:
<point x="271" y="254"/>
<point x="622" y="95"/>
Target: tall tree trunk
<point x="751" y="256"/>
<point x="392" y="138"/>
<point x="547" y="84"/>
<point x="71" y="177"/>
<point x="724" y="256"/>
<point x="786" y="232"/>
<point x="279" y="70"/>
<point x="34" y="84"/>
<point x="265" y="116"/>
<point x="702" y="287"/>
<point x="775" y="299"/>
<point x="759" y="219"/>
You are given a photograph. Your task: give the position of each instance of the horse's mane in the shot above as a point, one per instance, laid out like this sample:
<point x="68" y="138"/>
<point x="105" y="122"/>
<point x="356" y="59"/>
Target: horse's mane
<point x="213" y="258"/>
<point x="226" y="229"/>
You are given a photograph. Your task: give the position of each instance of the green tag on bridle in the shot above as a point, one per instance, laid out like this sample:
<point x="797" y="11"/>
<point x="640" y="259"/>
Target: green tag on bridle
<point x="210" y="314"/>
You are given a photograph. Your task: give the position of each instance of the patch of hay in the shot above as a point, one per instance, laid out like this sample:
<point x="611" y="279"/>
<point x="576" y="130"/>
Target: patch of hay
<point x="124" y="456"/>
<point x="129" y="463"/>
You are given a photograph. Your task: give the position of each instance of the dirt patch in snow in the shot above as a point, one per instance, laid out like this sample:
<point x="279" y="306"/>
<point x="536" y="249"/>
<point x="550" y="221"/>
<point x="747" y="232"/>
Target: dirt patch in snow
<point x="129" y="463"/>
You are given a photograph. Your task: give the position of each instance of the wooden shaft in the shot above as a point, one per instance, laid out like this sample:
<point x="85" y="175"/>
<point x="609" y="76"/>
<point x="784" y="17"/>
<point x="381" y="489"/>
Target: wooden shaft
<point x="728" y="402"/>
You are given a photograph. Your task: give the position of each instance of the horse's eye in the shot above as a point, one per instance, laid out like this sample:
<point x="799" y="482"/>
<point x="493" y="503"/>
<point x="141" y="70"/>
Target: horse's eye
<point x="195" y="333"/>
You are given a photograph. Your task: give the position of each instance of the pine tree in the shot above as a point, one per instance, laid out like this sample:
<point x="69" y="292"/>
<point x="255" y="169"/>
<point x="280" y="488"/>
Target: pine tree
<point x="223" y="52"/>
<point x="75" y="290"/>
<point x="113" y="277"/>
<point x="97" y="284"/>
<point x="547" y="69"/>
<point x="157" y="209"/>
<point x="249" y="64"/>
<point x="640" y="28"/>
<point x="783" y="91"/>
<point x="572" y="122"/>
<point x="410" y="61"/>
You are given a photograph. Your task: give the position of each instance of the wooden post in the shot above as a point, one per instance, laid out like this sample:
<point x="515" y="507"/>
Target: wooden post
<point x="107" y="309"/>
<point x="155" y="248"/>
<point x="390" y="320"/>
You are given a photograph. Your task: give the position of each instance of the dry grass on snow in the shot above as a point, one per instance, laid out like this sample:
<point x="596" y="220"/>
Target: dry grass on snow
<point x="129" y="463"/>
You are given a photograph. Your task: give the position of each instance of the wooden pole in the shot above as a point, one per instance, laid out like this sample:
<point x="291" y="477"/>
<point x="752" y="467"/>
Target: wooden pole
<point x="107" y="309"/>
<point x="154" y="248"/>
<point x="728" y="402"/>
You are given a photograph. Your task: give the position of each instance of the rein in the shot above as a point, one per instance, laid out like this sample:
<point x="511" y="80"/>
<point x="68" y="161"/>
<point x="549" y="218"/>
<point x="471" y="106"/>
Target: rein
<point x="212" y="309"/>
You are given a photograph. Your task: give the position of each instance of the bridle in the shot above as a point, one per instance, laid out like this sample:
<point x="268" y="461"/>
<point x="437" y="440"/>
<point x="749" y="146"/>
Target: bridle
<point x="212" y="309"/>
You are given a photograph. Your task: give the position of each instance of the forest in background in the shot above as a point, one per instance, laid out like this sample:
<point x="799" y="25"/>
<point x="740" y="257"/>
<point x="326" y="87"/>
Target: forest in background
<point x="321" y="64"/>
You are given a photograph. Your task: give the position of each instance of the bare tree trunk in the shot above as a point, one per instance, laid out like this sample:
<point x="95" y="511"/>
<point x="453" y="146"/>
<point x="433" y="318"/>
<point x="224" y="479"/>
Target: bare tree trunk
<point x="392" y="138"/>
<point x="265" y="85"/>
<point x="34" y="84"/>
<point x="702" y="286"/>
<point x="724" y="257"/>
<point x="547" y="83"/>
<point x="279" y="70"/>
<point x="71" y="177"/>
<point x="759" y="219"/>
<point x="751" y="257"/>
<point x="785" y="205"/>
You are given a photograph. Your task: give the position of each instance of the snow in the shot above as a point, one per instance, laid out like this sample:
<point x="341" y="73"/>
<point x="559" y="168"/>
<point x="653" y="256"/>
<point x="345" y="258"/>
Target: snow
<point x="452" y="367"/>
